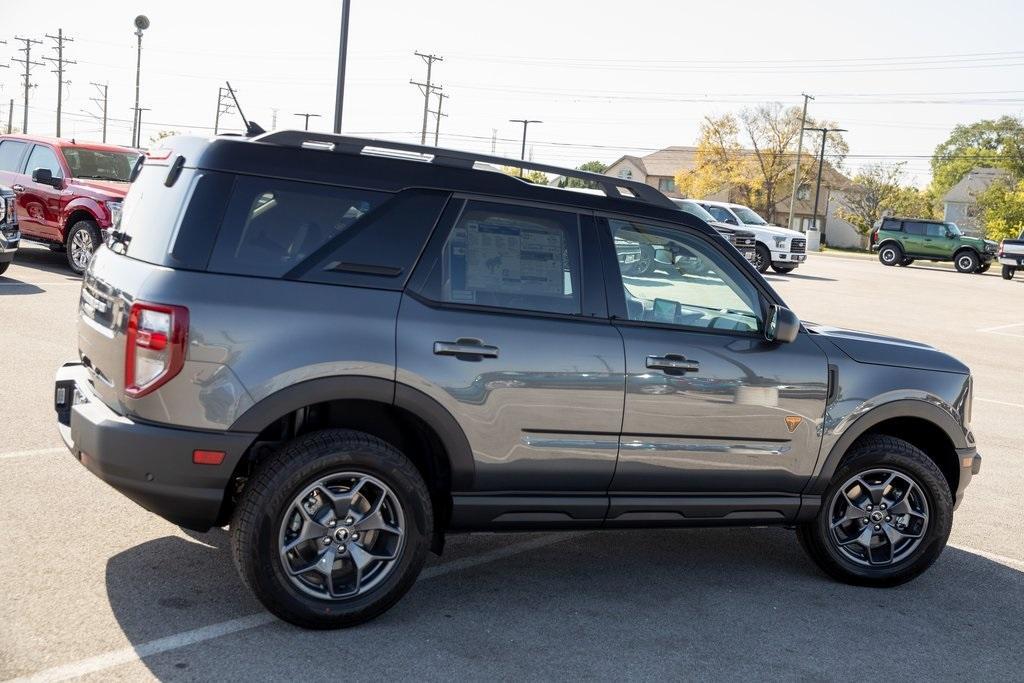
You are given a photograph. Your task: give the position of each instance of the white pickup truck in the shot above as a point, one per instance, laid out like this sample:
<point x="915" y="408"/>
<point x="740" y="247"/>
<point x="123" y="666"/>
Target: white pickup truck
<point x="1011" y="256"/>
<point x="781" y="248"/>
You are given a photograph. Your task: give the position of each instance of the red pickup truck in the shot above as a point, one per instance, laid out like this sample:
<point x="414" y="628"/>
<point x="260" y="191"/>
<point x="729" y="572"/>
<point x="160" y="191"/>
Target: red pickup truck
<point x="67" y="194"/>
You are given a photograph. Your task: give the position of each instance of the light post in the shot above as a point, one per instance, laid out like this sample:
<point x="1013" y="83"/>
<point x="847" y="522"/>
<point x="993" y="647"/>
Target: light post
<point x="339" y="103"/>
<point x="817" y="190"/>
<point x="141" y="24"/>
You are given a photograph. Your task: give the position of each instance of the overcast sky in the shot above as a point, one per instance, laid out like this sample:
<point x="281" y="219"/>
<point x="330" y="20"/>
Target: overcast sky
<point x="606" y="78"/>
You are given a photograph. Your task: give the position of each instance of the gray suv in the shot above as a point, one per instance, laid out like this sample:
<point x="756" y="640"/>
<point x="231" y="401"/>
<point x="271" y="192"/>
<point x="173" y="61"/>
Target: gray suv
<point x="346" y="349"/>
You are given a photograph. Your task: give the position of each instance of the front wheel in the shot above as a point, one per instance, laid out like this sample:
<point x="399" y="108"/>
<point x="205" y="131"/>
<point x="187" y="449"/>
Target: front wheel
<point x="884" y="519"/>
<point x="906" y="261"/>
<point x="333" y="529"/>
<point x="762" y="258"/>
<point x="967" y="262"/>
<point x="983" y="268"/>
<point x="82" y="241"/>
<point x="1008" y="272"/>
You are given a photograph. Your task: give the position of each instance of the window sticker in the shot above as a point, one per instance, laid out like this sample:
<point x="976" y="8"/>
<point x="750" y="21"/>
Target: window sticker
<point x="504" y="257"/>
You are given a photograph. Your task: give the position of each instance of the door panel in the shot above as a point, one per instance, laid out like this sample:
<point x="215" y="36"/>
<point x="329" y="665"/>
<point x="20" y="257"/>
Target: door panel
<point x="39" y="205"/>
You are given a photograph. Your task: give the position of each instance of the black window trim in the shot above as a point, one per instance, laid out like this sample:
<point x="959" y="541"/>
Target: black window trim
<point x="593" y="299"/>
<point x="613" y="277"/>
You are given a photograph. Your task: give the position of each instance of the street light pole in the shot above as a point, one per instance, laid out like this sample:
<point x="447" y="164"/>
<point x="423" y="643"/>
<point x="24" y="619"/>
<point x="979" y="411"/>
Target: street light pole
<point x="141" y="24"/>
<point x="342" y="57"/>
<point x="522" y="153"/>
<point x="817" y="190"/>
<point x="799" y="151"/>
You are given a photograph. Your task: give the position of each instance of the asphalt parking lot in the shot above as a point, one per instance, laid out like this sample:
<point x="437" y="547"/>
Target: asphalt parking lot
<point x="95" y="587"/>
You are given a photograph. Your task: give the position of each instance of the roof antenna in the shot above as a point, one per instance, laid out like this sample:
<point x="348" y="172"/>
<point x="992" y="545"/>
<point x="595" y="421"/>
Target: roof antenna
<point x="252" y="129"/>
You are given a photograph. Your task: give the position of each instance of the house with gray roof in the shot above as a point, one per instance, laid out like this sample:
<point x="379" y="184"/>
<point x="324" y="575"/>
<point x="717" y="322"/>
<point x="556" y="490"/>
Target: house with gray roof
<point x="960" y="204"/>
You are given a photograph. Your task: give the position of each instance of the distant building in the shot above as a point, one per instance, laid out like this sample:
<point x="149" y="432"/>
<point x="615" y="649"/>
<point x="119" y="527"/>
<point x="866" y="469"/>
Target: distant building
<point x="960" y="204"/>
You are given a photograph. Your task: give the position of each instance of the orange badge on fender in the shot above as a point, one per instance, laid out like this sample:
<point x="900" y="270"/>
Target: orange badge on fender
<point x="792" y="421"/>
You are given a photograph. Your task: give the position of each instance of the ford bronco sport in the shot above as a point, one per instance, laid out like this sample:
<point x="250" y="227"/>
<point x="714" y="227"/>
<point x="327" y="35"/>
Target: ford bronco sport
<point x="901" y="241"/>
<point x="346" y="349"/>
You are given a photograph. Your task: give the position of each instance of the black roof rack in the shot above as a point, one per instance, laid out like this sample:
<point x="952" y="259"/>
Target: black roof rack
<point x="618" y="188"/>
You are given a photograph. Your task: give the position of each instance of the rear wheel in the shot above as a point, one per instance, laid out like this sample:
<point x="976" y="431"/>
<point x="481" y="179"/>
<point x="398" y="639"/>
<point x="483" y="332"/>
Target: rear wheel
<point x="762" y="258"/>
<point x="890" y="254"/>
<point x="884" y="519"/>
<point x="966" y="262"/>
<point x="783" y="269"/>
<point x="1008" y="272"/>
<point x="333" y="529"/>
<point x="82" y="241"/>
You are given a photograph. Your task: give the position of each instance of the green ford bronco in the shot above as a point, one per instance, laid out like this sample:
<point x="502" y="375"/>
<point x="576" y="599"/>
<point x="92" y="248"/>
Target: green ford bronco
<point x="900" y="241"/>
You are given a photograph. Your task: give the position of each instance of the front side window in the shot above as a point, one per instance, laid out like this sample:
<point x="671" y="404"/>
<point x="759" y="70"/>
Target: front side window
<point x="507" y="256"/>
<point x="97" y="164"/>
<point x="721" y="214"/>
<point x="10" y="155"/>
<point x="935" y="229"/>
<point x="271" y="225"/>
<point x="954" y="229"/>
<point x="748" y="216"/>
<point x="43" y="157"/>
<point x="674" y="278"/>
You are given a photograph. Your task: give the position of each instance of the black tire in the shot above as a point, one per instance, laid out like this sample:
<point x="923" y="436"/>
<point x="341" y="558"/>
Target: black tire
<point x="983" y="268"/>
<point x="906" y="261"/>
<point x="83" y="236"/>
<point x="59" y="248"/>
<point x="1008" y="272"/>
<point x="4" y="267"/>
<point x="871" y="454"/>
<point x="762" y="258"/>
<point x="269" y="496"/>
<point x="890" y="254"/>
<point x="782" y="270"/>
<point x="966" y="261"/>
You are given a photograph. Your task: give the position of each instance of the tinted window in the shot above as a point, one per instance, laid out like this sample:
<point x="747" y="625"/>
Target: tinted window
<point x="721" y="214"/>
<point x="689" y="283"/>
<point x="43" y="157"/>
<point x="891" y="224"/>
<point x="10" y="155"/>
<point x="100" y="164"/>
<point x="271" y="226"/>
<point x="935" y="229"/>
<point x="915" y="228"/>
<point x="694" y="209"/>
<point x="510" y="257"/>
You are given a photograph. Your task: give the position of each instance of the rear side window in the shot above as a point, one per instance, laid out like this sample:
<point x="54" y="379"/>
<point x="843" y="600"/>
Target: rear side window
<point x="11" y="152"/>
<point x="891" y="225"/>
<point x="507" y="256"/>
<point x="271" y="226"/>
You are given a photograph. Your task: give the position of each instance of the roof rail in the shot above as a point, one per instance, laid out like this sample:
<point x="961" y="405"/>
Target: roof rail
<point x="618" y="188"/>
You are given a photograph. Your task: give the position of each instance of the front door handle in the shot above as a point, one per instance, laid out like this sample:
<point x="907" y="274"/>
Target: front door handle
<point x="465" y="349"/>
<point x="18" y="188"/>
<point x="672" y="363"/>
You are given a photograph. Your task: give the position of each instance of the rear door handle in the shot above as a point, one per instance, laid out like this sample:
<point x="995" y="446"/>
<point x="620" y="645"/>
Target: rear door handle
<point x="465" y="349"/>
<point x="18" y="188"/>
<point x="672" y="363"/>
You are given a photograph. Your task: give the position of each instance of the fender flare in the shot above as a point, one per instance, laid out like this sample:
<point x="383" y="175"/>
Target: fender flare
<point x="84" y="205"/>
<point x="378" y="390"/>
<point x="899" y="408"/>
<point x="977" y="254"/>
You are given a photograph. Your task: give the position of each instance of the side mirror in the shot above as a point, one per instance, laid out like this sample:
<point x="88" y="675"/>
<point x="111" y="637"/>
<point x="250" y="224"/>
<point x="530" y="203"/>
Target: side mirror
<point x="783" y="325"/>
<point x="44" y="176"/>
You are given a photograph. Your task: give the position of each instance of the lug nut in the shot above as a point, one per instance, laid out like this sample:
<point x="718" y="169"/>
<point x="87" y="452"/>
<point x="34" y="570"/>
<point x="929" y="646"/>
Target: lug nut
<point x="888" y="518"/>
<point x="331" y="523"/>
<point x="355" y="537"/>
<point x="878" y="527"/>
<point x="349" y="520"/>
<point x="864" y="521"/>
<point x="869" y="508"/>
<point x="883" y="506"/>
<point x="327" y="540"/>
<point x="341" y="549"/>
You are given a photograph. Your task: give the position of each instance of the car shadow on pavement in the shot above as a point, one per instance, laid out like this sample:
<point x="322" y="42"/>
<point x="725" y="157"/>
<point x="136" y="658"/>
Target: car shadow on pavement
<point x="719" y="603"/>
<point x="13" y="287"/>
<point x="39" y="257"/>
<point x="797" y="276"/>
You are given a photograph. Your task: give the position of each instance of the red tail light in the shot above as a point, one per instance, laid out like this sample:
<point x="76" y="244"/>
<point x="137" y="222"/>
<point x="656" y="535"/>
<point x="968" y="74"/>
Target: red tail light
<point x="155" y="347"/>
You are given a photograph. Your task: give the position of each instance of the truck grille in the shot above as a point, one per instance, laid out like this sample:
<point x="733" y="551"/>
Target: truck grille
<point x="798" y="246"/>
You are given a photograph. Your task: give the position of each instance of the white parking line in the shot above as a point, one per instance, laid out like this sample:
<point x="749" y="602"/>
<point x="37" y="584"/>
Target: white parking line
<point x="39" y="451"/>
<point x="998" y="329"/>
<point x="40" y="284"/>
<point x="1002" y="403"/>
<point x="1001" y="559"/>
<point x="127" y="655"/>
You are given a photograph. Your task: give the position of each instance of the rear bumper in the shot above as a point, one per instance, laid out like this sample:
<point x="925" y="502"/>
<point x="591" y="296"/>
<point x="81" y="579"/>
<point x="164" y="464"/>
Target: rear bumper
<point x="152" y="465"/>
<point x="1012" y="261"/>
<point x="970" y="465"/>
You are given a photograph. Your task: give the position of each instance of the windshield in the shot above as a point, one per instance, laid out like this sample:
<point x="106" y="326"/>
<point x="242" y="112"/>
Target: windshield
<point x="695" y="209"/>
<point x="954" y="230"/>
<point x="98" y="164"/>
<point x="747" y="216"/>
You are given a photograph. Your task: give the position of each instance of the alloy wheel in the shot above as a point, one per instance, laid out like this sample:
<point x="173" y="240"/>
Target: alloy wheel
<point x="342" y="536"/>
<point x="81" y="249"/>
<point x="878" y="518"/>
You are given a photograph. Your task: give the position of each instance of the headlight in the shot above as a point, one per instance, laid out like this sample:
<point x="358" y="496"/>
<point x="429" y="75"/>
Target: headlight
<point x="114" y="207"/>
<point x="3" y="209"/>
<point x="779" y="242"/>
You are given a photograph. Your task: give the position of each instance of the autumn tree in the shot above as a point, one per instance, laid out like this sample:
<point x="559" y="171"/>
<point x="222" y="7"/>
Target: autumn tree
<point x="877" y="191"/>
<point x="536" y="177"/>
<point x="591" y="166"/>
<point x="992" y="143"/>
<point x="753" y="154"/>
<point x="1002" y="209"/>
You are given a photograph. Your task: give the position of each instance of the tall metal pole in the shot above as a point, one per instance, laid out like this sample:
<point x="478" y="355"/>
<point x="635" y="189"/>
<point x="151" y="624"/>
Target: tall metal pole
<point x="821" y="164"/>
<point x="342" y="57"/>
<point x="441" y="97"/>
<point x="10" y="116"/>
<point x="138" y="76"/>
<point x="522" y="153"/>
<point x="796" y="171"/>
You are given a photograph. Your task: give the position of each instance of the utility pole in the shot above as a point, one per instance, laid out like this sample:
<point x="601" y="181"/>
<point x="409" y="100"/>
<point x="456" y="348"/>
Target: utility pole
<point x="102" y="87"/>
<point x="799" y="150"/>
<point x="307" y="117"/>
<point x="27" y="84"/>
<point x="821" y="164"/>
<point x="339" y="104"/>
<point x="137" y="126"/>
<point x="222" y="107"/>
<point x="59" y="39"/>
<point x="426" y="88"/>
<point x="522" y="153"/>
<point x="141" y="24"/>
<point x="441" y="97"/>
<point x="273" y="119"/>
<point x="10" y="116"/>
<point x="494" y="140"/>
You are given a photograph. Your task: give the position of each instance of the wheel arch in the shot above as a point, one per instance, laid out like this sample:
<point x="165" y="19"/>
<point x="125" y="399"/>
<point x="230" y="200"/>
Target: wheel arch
<point x="78" y="213"/>
<point x="969" y="248"/>
<point x="891" y="242"/>
<point x="920" y="423"/>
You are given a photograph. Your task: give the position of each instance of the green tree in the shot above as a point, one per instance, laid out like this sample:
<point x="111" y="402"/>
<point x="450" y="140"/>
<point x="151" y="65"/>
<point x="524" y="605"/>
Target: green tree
<point x="1002" y="209"/>
<point x="752" y="156"/>
<point x="878" y="191"/>
<point x="536" y="177"/>
<point x="993" y="143"/>
<point x="592" y="167"/>
<point x="161" y="135"/>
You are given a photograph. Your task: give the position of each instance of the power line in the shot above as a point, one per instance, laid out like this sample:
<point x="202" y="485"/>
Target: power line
<point x="426" y="88"/>
<point x="102" y="88"/>
<point x="27" y="83"/>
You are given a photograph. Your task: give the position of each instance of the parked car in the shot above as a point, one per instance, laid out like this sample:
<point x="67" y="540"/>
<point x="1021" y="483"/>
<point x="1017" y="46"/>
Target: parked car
<point x="901" y="241"/>
<point x="780" y="248"/>
<point x="68" y="193"/>
<point x="1011" y="256"/>
<point x="346" y="349"/>
<point x="744" y="241"/>
<point x="10" y="235"/>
